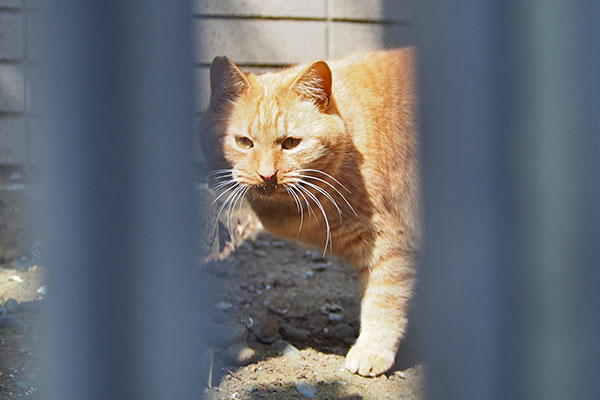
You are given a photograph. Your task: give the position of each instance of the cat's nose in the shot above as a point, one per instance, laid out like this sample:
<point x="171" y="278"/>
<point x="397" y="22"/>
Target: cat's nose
<point x="269" y="178"/>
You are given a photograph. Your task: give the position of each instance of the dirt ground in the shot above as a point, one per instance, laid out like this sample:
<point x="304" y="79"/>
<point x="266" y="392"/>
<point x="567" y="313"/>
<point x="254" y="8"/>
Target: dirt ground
<point x="288" y="297"/>
<point x="21" y="289"/>
<point x="282" y="320"/>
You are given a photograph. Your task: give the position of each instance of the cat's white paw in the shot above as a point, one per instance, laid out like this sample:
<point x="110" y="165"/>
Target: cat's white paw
<point x="369" y="360"/>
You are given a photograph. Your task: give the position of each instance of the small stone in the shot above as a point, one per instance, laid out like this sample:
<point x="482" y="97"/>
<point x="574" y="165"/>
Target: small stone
<point x="220" y="317"/>
<point x="272" y="389"/>
<point x="11" y="305"/>
<point x="227" y="333"/>
<point x="16" y="278"/>
<point x="320" y="267"/>
<point x="223" y="306"/>
<point x="309" y="274"/>
<point x="10" y="321"/>
<point x="306" y="389"/>
<point x="335" y="317"/>
<point x="329" y="308"/>
<point x="286" y="349"/>
<point x="401" y="374"/>
<point x="315" y="256"/>
<point x="274" y="279"/>
<point x="297" y="335"/>
<point x="239" y="354"/>
<point x="343" y="331"/>
<point x="266" y="330"/>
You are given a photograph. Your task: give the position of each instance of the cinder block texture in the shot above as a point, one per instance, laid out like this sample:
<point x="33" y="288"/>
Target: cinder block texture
<point x="12" y="140"/>
<point x="12" y="97"/>
<point x="248" y="41"/>
<point x="262" y="8"/>
<point x="349" y="37"/>
<point x="375" y="10"/>
<point x="16" y="206"/>
<point x="11" y="36"/>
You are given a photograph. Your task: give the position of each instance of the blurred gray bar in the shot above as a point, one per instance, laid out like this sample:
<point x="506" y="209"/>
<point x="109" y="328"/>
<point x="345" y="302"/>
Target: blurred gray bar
<point x="510" y="118"/>
<point x="117" y="92"/>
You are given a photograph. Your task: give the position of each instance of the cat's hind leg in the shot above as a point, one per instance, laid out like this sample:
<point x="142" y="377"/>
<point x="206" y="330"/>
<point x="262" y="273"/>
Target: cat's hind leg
<point x="387" y="290"/>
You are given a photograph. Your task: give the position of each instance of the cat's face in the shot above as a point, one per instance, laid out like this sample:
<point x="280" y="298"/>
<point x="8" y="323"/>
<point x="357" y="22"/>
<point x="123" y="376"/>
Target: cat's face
<point x="275" y="133"/>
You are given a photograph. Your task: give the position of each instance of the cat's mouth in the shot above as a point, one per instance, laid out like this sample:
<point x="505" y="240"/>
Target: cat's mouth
<point x="267" y="189"/>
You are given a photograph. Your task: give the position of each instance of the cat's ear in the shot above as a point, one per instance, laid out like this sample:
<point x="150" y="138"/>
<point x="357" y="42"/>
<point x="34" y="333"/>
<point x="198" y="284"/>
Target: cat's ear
<point x="227" y="81"/>
<point x="314" y="84"/>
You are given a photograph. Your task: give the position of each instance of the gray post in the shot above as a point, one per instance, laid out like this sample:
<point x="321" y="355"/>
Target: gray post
<point x="510" y="118"/>
<point x="120" y="210"/>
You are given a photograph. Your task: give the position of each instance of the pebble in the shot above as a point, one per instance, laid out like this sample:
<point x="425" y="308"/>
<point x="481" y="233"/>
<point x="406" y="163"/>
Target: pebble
<point x="10" y="321"/>
<point x="329" y="308"/>
<point x="274" y="279"/>
<point x="343" y="331"/>
<point x="266" y="330"/>
<point x="11" y="305"/>
<point x="309" y="274"/>
<point x="239" y="354"/>
<point x="401" y="374"/>
<point x="227" y="333"/>
<point x="219" y="316"/>
<point x="223" y="306"/>
<point x="335" y="317"/>
<point x="295" y="334"/>
<point x="315" y="256"/>
<point x="306" y="389"/>
<point x="286" y="349"/>
<point x="320" y="267"/>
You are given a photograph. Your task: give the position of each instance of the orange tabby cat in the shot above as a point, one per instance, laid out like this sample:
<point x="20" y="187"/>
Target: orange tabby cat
<point x="326" y="154"/>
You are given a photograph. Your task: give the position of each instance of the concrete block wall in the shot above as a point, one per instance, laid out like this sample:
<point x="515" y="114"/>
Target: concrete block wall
<point x="262" y="35"/>
<point x="259" y="35"/>
<point x="15" y="63"/>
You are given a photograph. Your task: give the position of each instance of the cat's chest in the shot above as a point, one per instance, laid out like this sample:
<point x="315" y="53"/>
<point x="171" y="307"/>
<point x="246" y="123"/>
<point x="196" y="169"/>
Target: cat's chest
<point x="310" y="224"/>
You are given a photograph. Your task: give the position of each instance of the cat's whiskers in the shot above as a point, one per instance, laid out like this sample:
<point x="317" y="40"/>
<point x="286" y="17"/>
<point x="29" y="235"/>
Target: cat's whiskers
<point x="330" y="185"/>
<point x="232" y="204"/>
<point x="327" y="175"/>
<point x="318" y="203"/>
<point x="308" y="207"/>
<point x="298" y="206"/>
<point x="324" y="193"/>
<point x="232" y="196"/>
<point x="235" y="190"/>
<point x="231" y="182"/>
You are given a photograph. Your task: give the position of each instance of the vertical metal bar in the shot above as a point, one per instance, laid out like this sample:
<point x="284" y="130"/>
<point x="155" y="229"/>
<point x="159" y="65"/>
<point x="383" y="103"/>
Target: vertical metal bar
<point x="511" y="176"/>
<point x="120" y="213"/>
<point x="460" y="128"/>
<point x="557" y="184"/>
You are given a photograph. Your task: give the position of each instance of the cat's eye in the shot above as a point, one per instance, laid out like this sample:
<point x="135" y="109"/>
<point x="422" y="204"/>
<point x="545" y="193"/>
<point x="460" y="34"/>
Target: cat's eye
<point x="290" y="143"/>
<point x="244" y="142"/>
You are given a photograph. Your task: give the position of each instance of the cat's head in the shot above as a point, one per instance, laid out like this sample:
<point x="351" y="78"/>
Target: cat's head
<point x="272" y="128"/>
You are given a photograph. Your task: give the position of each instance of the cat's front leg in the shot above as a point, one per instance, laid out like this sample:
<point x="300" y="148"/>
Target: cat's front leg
<point x="387" y="290"/>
